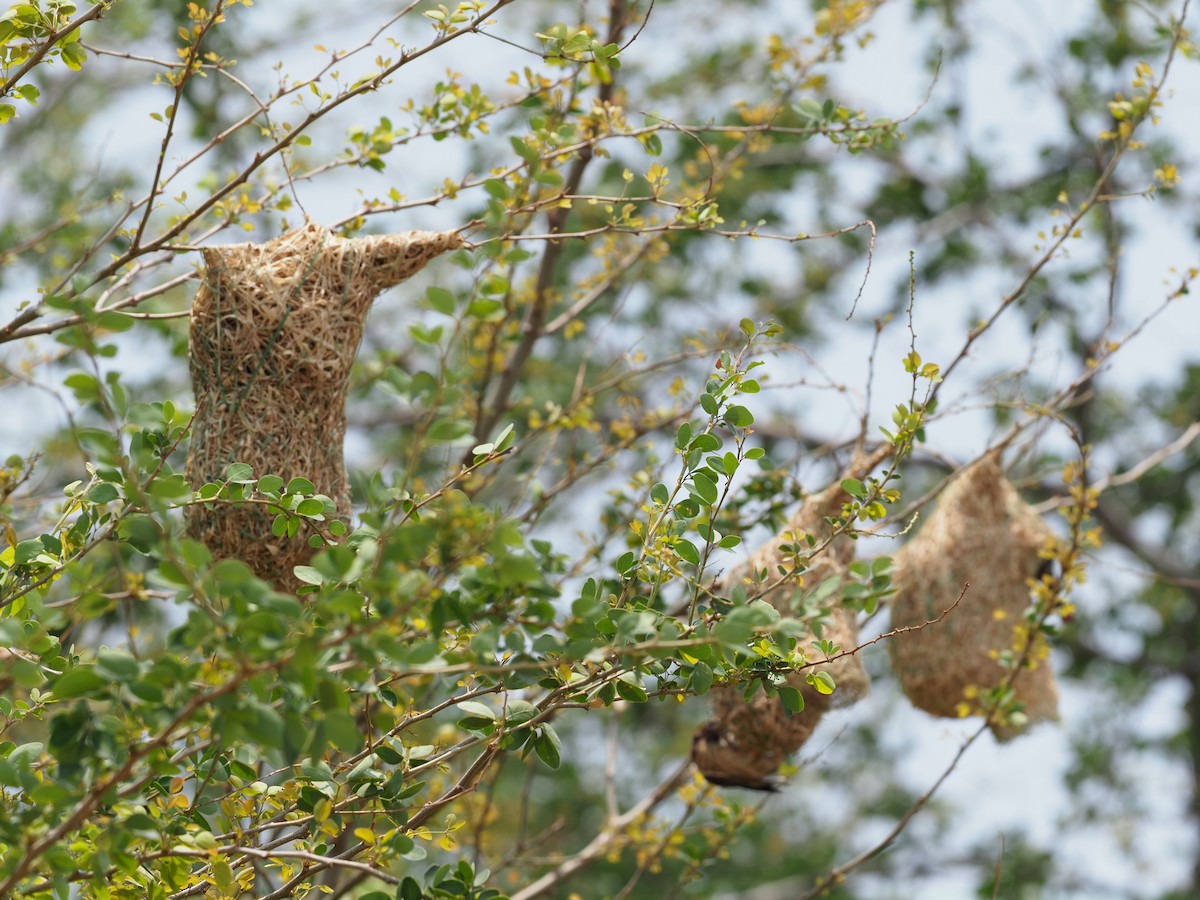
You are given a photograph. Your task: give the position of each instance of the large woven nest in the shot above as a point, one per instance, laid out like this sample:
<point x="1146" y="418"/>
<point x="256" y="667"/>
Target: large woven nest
<point x="753" y="738"/>
<point x="274" y="331"/>
<point x="983" y="534"/>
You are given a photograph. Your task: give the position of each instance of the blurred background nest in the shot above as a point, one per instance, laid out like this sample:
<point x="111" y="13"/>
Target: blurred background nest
<point x="982" y="534"/>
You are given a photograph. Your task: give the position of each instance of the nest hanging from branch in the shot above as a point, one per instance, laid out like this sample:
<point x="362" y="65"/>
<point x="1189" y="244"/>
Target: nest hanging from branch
<point x="983" y="534"/>
<point x="275" y="328"/>
<point x="746" y="741"/>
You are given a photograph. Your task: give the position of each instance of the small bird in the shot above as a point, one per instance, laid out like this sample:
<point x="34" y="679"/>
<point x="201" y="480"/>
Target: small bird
<point x="723" y="763"/>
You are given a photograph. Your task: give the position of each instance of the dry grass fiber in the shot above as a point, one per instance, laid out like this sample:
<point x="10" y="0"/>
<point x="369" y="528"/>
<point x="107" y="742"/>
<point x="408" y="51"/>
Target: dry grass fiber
<point x="274" y="331"/>
<point x="981" y="533"/>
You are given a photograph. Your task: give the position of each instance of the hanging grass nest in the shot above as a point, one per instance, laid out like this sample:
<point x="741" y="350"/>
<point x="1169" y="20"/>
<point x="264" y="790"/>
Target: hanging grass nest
<point x="746" y="741"/>
<point x="982" y="534"/>
<point x="274" y="331"/>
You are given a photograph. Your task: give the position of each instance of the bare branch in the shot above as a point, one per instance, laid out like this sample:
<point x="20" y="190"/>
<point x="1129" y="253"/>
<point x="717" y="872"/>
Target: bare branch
<point x="608" y="835"/>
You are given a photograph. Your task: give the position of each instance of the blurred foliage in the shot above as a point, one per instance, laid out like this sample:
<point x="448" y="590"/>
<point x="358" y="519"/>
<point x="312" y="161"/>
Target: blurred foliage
<point x="564" y="432"/>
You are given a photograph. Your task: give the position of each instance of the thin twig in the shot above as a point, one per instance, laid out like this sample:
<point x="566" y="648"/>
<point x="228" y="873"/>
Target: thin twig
<point x="600" y="844"/>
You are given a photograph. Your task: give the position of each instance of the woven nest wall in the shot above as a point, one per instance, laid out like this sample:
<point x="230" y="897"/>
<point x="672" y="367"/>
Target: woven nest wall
<point x="274" y="331"/>
<point x="754" y="738"/>
<point x="981" y="533"/>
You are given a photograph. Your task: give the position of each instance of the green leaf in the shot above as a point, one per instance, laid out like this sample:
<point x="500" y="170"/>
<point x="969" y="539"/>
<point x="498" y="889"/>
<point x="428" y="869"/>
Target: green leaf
<point x="497" y="188"/>
<point x="102" y="493"/>
<point x="518" y="712"/>
<point x="26" y="551"/>
<point x="449" y="429"/>
<point x="308" y="575"/>
<point x="74" y="56"/>
<point x="810" y="108"/>
<point x="759" y="613"/>
<point x="239" y="473"/>
<point x="701" y="678"/>
<point x="548" y="747"/>
<point x="482" y="307"/>
<point x="479" y="710"/>
<point x="223" y="876"/>
<point x="391" y="751"/>
<point x="270" y="484"/>
<point x="80" y="681"/>
<point x="311" y="508"/>
<point x="739" y="417"/>
<point x="627" y="562"/>
<point x="733" y="630"/>
<point x="687" y="551"/>
<point x="729" y="462"/>
<point x="631" y="689"/>
<point x="116" y="322"/>
<point x="144" y="689"/>
<point x="171" y="487"/>
<point x="301" y="486"/>
<point x="706" y="487"/>
<point x="25" y="755"/>
<point x="120" y="664"/>
<point x="822" y="681"/>
<point x="86" y="388"/>
<point x="683" y="436"/>
<point x="441" y="300"/>
<point x="504" y="439"/>
<point x="792" y="699"/>
<point x="523" y="150"/>
<point x="343" y="731"/>
<point x="854" y="488"/>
